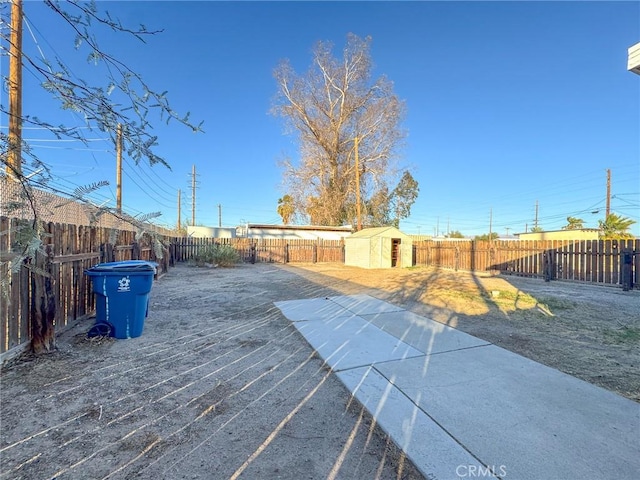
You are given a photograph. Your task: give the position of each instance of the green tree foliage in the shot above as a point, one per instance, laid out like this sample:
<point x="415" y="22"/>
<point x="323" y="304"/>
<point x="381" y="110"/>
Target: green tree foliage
<point x="485" y="237"/>
<point x="347" y="125"/>
<point x="574" y="223"/>
<point x="387" y="209"/>
<point x="537" y="229"/>
<point x="456" y="234"/>
<point x="404" y="196"/>
<point x="286" y="209"/>
<point x="615" y="227"/>
<point x="378" y="209"/>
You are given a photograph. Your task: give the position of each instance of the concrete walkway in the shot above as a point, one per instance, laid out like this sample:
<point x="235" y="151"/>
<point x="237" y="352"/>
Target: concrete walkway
<point x="461" y="407"/>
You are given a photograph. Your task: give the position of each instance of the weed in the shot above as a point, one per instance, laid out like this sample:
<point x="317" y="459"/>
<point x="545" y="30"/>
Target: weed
<point x="624" y="334"/>
<point x="220" y="255"/>
<point x="557" y="303"/>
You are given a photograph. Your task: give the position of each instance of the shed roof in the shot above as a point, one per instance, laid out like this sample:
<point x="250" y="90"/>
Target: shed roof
<point x="386" y="232"/>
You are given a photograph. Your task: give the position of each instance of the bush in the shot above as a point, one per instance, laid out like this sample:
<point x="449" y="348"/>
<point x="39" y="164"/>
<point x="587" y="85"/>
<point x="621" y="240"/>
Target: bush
<point x="218" y="255"/>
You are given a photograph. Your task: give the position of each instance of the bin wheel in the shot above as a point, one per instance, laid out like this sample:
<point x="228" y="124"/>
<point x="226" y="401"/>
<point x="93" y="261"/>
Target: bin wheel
<point x="100" y="330"/>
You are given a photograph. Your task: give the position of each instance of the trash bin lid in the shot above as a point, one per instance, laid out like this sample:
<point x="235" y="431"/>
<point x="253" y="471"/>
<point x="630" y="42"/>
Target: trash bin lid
<point x="125" y="266"/>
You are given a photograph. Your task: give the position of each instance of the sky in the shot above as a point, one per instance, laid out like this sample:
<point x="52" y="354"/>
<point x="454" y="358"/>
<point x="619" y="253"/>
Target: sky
<point x="512" y="107"/>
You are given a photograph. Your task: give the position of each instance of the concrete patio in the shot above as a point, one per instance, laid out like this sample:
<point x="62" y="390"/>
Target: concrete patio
<point x="461" y="407"/>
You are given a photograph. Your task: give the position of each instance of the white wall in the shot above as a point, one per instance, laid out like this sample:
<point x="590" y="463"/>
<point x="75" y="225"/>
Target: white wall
<point x="198" y="231"/>
<point x="295" y="234"/>
<point x="357" y="252"/>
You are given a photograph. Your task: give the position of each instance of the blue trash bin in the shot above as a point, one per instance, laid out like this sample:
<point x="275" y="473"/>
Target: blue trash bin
<point x="122" y="296"/>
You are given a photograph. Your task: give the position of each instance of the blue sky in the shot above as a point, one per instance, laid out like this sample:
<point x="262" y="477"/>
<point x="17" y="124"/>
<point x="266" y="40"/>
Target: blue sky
<point x="508" y="104"/>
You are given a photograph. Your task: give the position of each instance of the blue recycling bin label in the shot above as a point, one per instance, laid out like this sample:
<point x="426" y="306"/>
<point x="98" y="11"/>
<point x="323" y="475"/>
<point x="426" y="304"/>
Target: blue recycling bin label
<point x="124" y="284"/>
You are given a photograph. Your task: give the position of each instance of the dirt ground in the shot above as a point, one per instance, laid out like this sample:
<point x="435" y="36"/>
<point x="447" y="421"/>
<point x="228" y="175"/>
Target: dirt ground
<point x="221" y="386"/>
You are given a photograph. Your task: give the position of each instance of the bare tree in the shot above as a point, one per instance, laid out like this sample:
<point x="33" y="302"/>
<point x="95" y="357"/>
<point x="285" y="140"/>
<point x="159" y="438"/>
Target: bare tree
<point x="332" y="104"/>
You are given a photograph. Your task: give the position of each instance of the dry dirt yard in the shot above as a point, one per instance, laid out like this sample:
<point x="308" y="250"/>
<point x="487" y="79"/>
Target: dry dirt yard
<point x="221" y="386"/>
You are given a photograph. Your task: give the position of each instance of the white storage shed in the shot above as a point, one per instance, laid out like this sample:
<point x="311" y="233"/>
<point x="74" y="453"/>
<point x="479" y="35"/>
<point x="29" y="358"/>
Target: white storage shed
<point x="380" y="247"/>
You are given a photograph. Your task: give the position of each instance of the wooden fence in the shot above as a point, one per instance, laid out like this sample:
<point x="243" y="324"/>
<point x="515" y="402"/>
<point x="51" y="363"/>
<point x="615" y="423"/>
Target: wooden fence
<point x="73" y="249"/>
<point x="608" y="262"/>
<point x="266" y="250"/>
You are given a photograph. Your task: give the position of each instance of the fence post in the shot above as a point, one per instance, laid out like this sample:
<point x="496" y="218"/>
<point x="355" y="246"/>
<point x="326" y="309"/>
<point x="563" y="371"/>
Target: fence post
<point x="106" y="253"/>
<point x="548" y="265"/>
<point x="253" y="253"/>
<point x="626" y="272"/>
<point x="135" y="251"/>
<point x="456" y="260"/>
<point x="286" y="252"/>
<point x="315" y="253"/>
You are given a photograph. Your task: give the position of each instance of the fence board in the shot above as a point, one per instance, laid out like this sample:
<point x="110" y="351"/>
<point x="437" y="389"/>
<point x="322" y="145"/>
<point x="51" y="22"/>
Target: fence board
<point x="77" y="248"/>
<point x="607" y="262"/>
<point x="634" y="246"/>
<point x="615" y="262"/>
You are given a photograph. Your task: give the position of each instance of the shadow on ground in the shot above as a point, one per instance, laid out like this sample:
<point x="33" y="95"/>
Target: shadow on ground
<point x="219" y="386"/>
<point x="588" y="331"/>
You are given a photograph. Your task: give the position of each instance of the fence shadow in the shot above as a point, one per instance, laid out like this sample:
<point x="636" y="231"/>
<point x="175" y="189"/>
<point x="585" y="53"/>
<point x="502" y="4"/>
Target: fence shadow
<point x="565" y="325"/>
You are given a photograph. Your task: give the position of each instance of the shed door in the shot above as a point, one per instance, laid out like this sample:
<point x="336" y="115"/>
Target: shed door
<point x="395" y="251"/>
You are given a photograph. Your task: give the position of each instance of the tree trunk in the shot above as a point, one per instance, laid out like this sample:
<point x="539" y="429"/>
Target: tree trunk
<point x="43" y="305"/>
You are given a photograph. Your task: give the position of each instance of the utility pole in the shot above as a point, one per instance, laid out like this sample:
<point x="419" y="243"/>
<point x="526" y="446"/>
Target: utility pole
<point x="357" y="186"/>
<point x="119" y="168"/>
<point x="193" y="195"/>
<point x="608" y="207"/>
<point x="179" y="206"/>
<point x="14" y="153"/>
<point x="535" y="224"/>
<point x="490" y="224"/>
<point x="219" y="215"/>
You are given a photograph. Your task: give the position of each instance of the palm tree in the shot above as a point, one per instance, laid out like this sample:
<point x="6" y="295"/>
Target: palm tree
<point x="615" y="226"/>
<point x="574" y="223"/>
<point x="286" y="208"/>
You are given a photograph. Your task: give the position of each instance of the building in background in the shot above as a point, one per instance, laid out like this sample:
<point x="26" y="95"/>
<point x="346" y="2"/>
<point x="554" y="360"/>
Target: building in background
<point x="198" y="231"/>
<point x="577" y="234"/>
<point x="295" y="232"/>
<point x="633" y="58"/>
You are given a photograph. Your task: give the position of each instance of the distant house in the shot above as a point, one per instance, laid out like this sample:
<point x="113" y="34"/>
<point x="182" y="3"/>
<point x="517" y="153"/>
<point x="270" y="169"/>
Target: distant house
<point x="633" y="58"/>
<point x="296" y="232"/>
<point x="421" y="238"/>
<point x="577" y="234"/>
<point x="380" y="247"/>
<point x="197" y="231"/>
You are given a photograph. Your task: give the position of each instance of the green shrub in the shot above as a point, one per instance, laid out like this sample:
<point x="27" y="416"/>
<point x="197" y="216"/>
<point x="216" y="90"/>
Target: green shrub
<point x="218" y="255"/>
